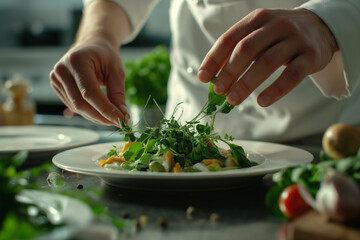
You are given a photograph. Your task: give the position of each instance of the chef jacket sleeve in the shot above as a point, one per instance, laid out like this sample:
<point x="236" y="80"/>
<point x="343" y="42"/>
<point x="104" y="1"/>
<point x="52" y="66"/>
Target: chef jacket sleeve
<point x="343" y="19"/>
<point x="137" y="10"/>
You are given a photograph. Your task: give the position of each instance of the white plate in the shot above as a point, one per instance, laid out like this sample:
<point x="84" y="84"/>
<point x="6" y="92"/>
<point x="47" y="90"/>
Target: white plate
<point x="270" y="156"/>
<point x="37" y="139"/>
<point x="60" y="209"/>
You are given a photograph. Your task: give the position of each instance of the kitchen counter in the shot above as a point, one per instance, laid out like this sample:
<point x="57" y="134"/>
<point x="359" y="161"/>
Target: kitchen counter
<point x="237" y="213"/>
<point x="241" y="211"/>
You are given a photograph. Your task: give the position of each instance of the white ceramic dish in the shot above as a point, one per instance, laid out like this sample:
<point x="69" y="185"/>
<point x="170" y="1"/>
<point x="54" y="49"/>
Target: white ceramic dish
<point x="40" y="139"/>
<point x="270" y="156"/>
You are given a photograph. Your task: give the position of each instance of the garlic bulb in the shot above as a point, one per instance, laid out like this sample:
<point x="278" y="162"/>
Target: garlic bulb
<point x="338" y="197"/>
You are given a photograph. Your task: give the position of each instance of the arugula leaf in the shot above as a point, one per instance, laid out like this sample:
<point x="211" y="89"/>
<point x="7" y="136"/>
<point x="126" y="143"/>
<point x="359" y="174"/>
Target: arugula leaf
<point x="134" y="152"/>
<point x="217" y="103"/>
<point x="112" y="152"/>
<point x="240" y="156"/>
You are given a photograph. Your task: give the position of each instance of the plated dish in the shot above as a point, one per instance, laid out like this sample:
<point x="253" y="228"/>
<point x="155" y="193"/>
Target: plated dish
<point x="38" y="139"/>
<point x="270" y="158"/>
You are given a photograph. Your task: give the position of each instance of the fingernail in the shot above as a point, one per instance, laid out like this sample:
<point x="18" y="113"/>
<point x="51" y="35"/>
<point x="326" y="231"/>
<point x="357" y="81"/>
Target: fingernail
<point x="219" y="87"/>
<point x="264" y="100"/>
<point x="204" y="76"/>
<point x="233" y="98"/>
<point x="124" y="108"/>
<point x="127" y="118"/>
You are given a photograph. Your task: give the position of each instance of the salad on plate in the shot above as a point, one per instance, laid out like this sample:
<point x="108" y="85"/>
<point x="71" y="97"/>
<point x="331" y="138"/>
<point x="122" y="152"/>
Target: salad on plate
<point x="175" y="147"/>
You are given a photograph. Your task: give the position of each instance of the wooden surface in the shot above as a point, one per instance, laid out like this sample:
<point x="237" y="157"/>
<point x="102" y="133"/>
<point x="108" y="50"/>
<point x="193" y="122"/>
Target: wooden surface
<point x="314" y="226"/>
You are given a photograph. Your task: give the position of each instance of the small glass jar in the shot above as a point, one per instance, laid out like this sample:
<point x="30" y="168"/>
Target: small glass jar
<point x="19" y="108"/>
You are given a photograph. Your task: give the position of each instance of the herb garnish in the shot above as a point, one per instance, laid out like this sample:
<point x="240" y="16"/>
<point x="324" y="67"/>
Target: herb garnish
<point x="188" y="144"/>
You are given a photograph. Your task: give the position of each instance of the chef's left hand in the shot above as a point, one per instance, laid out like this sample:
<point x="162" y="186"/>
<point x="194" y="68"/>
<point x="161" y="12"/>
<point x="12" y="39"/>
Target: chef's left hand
<point x="266" y="40"/>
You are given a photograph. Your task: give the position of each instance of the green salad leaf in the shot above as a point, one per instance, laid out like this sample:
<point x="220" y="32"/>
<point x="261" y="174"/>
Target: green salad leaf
<point x="217" y="103"/>
<point x="188" y="143"/>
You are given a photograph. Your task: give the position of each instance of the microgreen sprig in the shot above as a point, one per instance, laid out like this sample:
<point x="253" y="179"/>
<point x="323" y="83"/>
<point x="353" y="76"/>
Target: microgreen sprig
<point x="190" y="143"/>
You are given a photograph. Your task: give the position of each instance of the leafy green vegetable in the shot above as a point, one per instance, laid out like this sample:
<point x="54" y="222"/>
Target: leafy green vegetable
<point x="310" y="175"/>
<point x="15" y="220"/>
<point x="189" y="143"/>
<point x="13" y="214"/>
<point x="240" y="156"/>
<point x="217" y="103"/>
<point x="148" y="76"/>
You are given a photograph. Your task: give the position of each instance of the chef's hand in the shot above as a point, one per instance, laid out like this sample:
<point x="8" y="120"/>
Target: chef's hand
<point x="266" y="40"/>
<point x="78" y="76"/>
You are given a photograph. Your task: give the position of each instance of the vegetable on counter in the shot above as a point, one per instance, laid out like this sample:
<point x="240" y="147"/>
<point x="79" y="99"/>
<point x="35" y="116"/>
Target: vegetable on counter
<point x="332" y="186"/>
<point x="291" y="203"/>
<point x="341" y="140"/>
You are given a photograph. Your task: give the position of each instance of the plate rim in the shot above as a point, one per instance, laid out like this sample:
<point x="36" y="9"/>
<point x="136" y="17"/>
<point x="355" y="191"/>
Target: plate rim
<point x="91" y="137"/>
<point x="119" y="174"/>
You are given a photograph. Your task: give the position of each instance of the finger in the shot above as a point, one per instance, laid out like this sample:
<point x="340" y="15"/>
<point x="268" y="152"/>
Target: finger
<point x="93" y="95"/>
<point x="223" y="47"/>
<point x="115" y="88"/>
<point x="265" y="65"/>
<point x="293" y="74"/>
<point x="59" y="90"/>
<point x="75" y="99"/>
<point x="245" y="52"/>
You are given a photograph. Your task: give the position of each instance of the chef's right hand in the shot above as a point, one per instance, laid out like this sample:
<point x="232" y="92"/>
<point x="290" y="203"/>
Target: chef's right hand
<point x="80" y="73"/>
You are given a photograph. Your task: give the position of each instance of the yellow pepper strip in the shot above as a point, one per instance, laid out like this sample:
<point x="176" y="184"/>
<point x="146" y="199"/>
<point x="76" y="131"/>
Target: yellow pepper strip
<point x="233" y="162"/>
<point x="177" y="168"/>
<point x="169" y="157"/>
<point x="210" y="143"/>
<point x="216" y="165"/>
<point x="126" y="147"/>
<point x="209" y="161"/>
<point x="111" y="160"/>
<point x="227" y="154"/>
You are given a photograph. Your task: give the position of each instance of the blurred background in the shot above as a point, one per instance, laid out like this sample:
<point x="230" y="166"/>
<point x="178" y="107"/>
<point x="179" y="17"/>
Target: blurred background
<point x="34" y="35"/>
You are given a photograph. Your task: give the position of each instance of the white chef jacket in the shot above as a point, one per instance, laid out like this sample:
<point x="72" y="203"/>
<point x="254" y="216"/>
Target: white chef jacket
<point x="309" y="109"/>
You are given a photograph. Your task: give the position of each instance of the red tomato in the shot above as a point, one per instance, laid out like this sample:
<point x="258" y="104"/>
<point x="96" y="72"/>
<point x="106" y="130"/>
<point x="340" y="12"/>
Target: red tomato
<point x="291" y="203"/>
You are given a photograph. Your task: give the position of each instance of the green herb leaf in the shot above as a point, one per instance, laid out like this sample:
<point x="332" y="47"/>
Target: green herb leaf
<point x="240" y="156"/>
<point x="217" y="103"/>
<point x="134" y="152"/>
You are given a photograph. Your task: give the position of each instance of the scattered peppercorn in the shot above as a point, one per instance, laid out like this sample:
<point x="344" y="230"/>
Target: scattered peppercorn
<point x="138" y="225"/>
<point x="162" y="223"/>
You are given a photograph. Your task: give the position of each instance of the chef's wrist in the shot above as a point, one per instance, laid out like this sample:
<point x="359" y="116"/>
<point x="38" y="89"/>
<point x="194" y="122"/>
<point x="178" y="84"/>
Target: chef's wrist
<point x="98" y="37"/>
